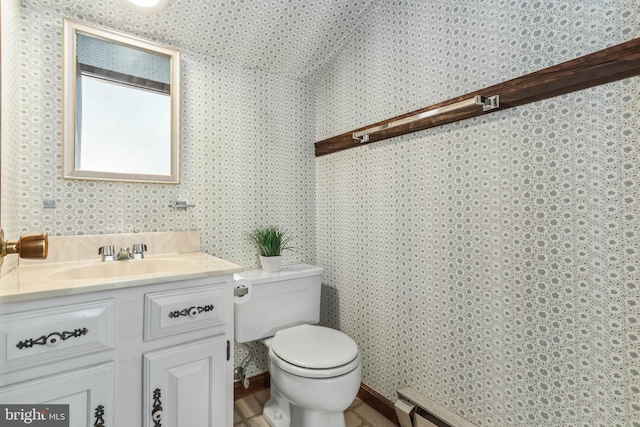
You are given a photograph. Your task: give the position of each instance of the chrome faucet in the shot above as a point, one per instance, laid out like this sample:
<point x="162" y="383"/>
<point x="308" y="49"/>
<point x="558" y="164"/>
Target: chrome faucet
<point x="108" y="252"/>
<point x="124" y="254"/>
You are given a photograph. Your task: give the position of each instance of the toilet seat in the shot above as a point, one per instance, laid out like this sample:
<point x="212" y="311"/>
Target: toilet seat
<point x="314" y="347"/>
<point x="314" y="373"/>
<point x="314" y="351"/>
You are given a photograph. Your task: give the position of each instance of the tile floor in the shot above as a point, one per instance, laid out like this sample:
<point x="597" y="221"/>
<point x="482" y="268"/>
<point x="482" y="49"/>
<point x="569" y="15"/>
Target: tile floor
<point x="248" y="413"/>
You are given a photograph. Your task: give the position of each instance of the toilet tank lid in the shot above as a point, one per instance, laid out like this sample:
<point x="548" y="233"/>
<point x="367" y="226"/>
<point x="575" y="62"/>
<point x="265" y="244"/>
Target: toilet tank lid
<point x="288" y="272"/>
<point x="314" y="347"/>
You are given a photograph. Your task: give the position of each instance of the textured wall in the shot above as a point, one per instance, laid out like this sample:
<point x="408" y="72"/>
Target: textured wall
<point x="10" y="158"/>
<point x="490" y="264"/>
<point x="242" y="161"/>
<point x="287" y="37"/>
<point x="247" y="156"/>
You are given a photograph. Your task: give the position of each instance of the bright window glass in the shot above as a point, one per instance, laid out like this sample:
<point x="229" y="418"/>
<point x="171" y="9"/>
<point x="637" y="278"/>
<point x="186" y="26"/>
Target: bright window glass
<point x="125" y="129"/>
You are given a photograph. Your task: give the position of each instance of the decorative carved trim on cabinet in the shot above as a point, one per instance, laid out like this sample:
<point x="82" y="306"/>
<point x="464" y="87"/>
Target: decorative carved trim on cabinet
<point x="53" y="338"/>
<point x="156" y="410"/>
<point x="99" y="415"/>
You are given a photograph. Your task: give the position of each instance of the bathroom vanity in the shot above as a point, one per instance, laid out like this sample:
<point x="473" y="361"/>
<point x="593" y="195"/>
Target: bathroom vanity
<point x="123" y="343"/>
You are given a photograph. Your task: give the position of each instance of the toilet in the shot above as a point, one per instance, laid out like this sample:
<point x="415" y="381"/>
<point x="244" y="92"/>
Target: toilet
<point x="315" y="371"/>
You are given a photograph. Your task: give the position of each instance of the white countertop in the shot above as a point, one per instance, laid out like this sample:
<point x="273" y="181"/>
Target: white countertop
<point x="47" y="280"/>
<point x="59" y="277"/>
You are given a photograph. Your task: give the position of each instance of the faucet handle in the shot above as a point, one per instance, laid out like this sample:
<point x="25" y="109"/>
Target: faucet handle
<point x="107" y="252"/>
<point x="138" y="250"/>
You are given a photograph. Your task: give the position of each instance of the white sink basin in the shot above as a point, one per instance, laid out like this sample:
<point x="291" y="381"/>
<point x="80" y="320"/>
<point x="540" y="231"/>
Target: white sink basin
<point x="123" y="269"/>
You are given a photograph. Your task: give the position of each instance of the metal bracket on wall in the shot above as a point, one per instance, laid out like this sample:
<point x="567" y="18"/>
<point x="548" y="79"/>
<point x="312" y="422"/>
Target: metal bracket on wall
<point x="488" y="103"/>
<point x="180" y="205"/>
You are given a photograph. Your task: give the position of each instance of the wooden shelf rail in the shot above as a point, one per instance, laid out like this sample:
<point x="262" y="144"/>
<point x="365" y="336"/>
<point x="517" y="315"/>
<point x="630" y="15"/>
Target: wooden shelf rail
<point x="605" y="66"/>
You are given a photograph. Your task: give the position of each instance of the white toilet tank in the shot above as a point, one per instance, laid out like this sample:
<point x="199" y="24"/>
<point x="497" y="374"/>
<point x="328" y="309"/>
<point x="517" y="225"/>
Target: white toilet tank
<point x="276" y="301"/>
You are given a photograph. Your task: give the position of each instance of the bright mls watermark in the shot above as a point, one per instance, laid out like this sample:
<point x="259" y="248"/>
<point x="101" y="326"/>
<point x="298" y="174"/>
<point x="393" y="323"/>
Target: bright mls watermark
<point x="34" y="415"/>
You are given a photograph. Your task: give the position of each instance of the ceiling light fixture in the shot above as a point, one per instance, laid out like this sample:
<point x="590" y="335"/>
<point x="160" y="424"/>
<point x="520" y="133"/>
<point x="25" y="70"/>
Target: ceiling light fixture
<point x="147" y="6"/>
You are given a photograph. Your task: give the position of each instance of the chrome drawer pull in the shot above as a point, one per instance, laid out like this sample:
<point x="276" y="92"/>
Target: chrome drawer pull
<point x="191" y="311"/>
<point x="52" y="339"/>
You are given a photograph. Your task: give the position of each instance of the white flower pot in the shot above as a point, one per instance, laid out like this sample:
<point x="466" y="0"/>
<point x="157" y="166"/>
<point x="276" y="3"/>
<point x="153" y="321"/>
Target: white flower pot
<point x="270" y="263"/>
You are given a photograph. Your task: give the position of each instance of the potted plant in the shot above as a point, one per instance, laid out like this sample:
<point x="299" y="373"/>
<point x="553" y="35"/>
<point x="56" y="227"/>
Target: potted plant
<point x="271" y="242"/>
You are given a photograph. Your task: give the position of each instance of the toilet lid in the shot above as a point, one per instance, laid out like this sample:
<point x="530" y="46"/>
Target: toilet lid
<point x="314" y="347"/>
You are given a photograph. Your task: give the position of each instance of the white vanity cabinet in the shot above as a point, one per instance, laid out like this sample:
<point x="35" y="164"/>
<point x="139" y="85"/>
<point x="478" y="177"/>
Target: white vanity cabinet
<point x="189" y="384"/>
<point x="185" y="385"/>
<point x="151" y="355"/>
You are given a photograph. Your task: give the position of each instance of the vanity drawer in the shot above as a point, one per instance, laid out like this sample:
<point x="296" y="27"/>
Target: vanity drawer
<point x="36" y="337"/>
<point x="189" y="309"/>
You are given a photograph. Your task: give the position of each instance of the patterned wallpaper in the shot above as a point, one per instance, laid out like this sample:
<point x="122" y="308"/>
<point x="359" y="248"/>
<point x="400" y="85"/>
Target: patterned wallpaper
<point x="233" y="137"/>
<point x="10" y="157"/>
<point x="287" y="37"/>
<point x="247" y="156"/>
<point x="491" y="264"/>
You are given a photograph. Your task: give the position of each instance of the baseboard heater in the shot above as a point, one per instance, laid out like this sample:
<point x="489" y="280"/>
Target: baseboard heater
<point x="417" y="410"/>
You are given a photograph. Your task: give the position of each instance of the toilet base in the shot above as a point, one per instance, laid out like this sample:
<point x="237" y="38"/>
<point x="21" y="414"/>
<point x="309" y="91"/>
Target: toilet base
<point x="300" y="417"/>
<point x="276" y="411"/>
<point x="279" y="412"/>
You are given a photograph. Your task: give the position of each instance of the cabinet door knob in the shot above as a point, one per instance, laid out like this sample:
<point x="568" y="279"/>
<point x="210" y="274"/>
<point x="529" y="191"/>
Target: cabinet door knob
<point x="53" y="340"/>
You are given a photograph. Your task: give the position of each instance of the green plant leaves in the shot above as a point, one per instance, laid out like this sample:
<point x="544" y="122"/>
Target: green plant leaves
<point x="271" y="241"/>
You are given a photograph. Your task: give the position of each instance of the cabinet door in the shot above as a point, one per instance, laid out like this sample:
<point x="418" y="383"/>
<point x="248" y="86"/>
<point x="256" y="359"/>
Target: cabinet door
<point x="87" y="391"/>
<point x="188" y="385"/>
